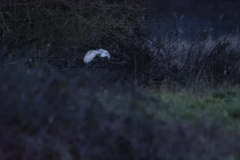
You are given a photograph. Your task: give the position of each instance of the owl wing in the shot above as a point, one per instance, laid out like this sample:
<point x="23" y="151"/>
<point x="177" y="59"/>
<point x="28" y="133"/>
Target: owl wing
<point x="90" y="56"/>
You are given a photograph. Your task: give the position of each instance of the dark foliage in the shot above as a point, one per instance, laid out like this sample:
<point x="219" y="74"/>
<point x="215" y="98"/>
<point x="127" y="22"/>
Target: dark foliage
<point x="48" y="116"/>
<point x="218" y="66"/>
<point x="59" y="33"/>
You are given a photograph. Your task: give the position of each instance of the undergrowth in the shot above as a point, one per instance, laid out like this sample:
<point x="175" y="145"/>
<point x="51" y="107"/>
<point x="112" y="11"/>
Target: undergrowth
<point x="77" y="116"/>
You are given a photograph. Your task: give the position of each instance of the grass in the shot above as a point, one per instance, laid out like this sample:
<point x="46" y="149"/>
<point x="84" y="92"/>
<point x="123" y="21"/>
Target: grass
<point x="77" y="115"/>
<point x="220" y="104"/>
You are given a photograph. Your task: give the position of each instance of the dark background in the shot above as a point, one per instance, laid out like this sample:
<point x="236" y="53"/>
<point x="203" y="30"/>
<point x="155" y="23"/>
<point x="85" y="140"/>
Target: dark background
<point x="217" y="16"/>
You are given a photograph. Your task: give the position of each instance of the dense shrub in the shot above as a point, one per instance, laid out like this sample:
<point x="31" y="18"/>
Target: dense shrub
<point x="60" y="32"/>
<point x="142" y="50"/>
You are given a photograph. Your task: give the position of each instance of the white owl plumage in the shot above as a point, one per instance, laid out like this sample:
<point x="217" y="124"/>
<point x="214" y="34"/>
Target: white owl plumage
<point x="93" y="53"/>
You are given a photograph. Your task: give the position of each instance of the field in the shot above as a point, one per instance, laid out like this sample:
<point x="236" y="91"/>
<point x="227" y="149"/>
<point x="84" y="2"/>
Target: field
<point x="163" y="95"/>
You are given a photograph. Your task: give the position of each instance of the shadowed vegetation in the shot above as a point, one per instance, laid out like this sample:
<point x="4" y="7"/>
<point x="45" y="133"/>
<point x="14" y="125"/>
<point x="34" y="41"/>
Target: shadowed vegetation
<point x="49" y="116"/>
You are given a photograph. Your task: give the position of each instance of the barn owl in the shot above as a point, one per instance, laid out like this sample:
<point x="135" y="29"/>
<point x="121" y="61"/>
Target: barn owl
<point x="93" y="53"/>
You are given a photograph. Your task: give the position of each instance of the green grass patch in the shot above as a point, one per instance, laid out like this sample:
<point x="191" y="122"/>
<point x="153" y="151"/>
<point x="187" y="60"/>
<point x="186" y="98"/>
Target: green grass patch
<point x="221" y="105"/>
